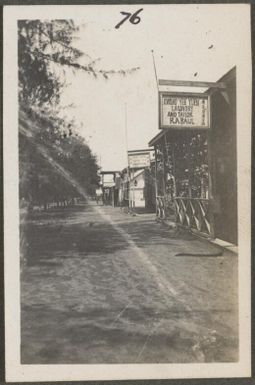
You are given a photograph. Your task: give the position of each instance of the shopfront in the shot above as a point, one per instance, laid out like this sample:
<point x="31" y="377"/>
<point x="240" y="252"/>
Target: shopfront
<point x="195" y="154"/>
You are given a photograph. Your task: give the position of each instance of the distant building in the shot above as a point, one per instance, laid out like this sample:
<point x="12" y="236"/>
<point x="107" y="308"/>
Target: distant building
<point x="110" y="187"/>
<point x="137" y="189"/>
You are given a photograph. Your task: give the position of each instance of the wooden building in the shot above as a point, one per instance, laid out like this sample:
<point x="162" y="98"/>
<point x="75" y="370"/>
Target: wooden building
<point x="196" y="160"/>
<point x="137" y="182"/>
<point x="110" y="187"/>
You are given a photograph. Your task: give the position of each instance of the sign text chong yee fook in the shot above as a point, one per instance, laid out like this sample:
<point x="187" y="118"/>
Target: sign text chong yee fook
<point x="184" y="110"/>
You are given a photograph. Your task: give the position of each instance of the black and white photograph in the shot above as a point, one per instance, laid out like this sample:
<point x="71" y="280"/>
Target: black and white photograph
<point x="127" y="141"/>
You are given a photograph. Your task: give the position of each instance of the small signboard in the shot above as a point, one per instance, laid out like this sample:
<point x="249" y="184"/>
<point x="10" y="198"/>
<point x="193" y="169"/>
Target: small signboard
<point x="139" y="159"/>
<point x="183" y="110"/>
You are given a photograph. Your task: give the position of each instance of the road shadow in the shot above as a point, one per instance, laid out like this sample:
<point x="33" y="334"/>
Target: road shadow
<point x="181" y="242"/>
<point x="59" y="233"/>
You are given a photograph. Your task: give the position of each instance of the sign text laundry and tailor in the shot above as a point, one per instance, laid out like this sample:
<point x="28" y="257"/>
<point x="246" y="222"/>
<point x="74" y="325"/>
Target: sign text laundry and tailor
<point x="184" y="111"/>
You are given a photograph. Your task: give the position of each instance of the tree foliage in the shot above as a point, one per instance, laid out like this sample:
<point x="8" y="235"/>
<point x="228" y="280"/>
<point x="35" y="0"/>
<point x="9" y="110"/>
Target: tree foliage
<point x="45" y="51"/>
<point x="40" y="181"/>
<point x="43" y="48"/>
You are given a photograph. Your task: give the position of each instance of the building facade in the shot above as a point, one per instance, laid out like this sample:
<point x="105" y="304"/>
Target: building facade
<point x="196" y="167"/>
<point x="137" y="190"/>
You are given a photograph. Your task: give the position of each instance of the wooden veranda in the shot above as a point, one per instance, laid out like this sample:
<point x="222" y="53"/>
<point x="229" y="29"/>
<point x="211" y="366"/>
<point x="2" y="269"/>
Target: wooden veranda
<point x="183" y="181"/>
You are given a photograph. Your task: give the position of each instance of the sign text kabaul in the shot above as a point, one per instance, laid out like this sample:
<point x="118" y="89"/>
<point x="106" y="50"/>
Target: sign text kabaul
<point x="179" y="110"/>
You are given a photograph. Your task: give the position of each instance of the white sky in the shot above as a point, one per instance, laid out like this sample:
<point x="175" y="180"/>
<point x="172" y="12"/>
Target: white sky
<point x="180" y="36"/>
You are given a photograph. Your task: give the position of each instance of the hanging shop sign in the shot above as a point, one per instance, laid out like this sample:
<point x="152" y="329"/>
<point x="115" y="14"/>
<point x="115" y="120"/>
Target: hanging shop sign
<point x="184" y="110"/>
<point x="138" y="159"/>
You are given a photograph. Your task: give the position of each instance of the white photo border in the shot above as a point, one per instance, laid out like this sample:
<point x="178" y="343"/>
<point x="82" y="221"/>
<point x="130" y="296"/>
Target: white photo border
<point x="15" y="371"/>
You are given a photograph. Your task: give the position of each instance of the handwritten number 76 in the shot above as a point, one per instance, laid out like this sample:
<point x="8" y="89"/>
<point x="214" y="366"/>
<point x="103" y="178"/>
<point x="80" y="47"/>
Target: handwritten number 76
<point x="134" y="19"/>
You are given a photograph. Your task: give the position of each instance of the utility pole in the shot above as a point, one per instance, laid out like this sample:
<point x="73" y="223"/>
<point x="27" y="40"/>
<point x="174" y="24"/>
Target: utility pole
<point x="128" y="169"/>
<point x="156" y="150"/>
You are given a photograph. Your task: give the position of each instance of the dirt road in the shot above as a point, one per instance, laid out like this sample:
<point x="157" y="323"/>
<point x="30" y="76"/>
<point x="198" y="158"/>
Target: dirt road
<point x="101" y="286"/>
